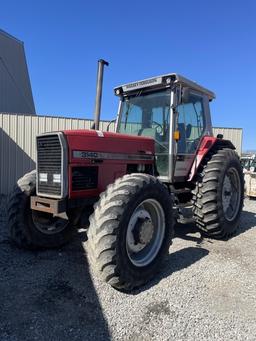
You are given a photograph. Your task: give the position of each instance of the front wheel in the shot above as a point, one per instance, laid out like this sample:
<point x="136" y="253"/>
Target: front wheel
<point x="32" y="229"/>
<point x="218" y="195"/>
<point x="130" y="230"/>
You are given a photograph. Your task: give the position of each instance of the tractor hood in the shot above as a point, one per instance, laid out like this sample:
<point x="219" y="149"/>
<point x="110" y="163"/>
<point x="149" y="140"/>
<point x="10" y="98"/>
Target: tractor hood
<point x="95" y="144"/>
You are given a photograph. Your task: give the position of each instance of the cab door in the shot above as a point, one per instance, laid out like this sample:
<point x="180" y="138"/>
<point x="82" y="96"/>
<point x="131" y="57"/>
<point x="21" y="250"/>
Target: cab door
<point x="191" y="125"/>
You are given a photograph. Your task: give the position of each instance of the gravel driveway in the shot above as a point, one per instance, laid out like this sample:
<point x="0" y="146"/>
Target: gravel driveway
<point x="206" y="291"/>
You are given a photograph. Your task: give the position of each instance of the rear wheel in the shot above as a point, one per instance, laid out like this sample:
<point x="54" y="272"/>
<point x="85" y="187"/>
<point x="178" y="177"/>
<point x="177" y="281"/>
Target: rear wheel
<point x="218" y="195"/>
<point x="130" y="230"/>
<point x="33" y="229"/>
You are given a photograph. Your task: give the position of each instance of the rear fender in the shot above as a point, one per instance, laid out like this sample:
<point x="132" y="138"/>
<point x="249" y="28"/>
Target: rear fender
<point x="206" y="144"/>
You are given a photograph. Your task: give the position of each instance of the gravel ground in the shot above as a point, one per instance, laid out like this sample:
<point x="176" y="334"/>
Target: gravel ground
<point x="206" y="291"/>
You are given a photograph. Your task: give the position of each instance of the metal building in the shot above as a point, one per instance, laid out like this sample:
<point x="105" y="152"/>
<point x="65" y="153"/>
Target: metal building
<point x="18" y="142"/>
<point x="15" y="89"/>
<point x="18" y="137"/>
<point x="235" y="135"/>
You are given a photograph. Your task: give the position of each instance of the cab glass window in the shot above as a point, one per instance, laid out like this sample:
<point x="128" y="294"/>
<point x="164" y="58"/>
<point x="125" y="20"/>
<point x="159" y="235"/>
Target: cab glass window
<point x="190" y="124"/>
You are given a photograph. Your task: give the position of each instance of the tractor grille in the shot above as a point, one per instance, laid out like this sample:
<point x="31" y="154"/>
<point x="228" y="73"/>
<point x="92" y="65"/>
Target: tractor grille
<point x="84" y="178"/>
<point x="49" y="165"/>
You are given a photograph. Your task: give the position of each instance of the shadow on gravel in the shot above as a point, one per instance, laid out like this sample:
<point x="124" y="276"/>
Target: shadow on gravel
<point x="175" y="262"/>
<point x="183" y="231"/>
<point x="48" y="295"/>
<point x="247" y="222"/>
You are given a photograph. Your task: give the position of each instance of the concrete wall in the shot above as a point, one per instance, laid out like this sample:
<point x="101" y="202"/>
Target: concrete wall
<point x="15" y="90"/>
<point x="18" y="136"/>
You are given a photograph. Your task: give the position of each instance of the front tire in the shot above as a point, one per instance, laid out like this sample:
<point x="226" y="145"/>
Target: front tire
<point x="32" y="229"/>
<point x="130" y="231"/>
<point x="218" y="195"/>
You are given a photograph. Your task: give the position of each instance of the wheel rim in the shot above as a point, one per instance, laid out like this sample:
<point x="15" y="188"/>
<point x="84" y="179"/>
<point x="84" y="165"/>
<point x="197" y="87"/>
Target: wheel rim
<point x="47" y="223"/>
<point x="231" y="194"/>
<point x="145" y="233"/>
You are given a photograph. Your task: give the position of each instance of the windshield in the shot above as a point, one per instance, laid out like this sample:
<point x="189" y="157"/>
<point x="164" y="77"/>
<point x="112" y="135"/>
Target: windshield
<point x="146" y="114"/>
<point x="149" y="115"/>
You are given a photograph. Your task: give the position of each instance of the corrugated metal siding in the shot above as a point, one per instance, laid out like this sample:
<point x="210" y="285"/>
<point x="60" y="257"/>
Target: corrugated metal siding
<point x="235" y="135"/>
<point x="17" y="142"/>
<point x="15" y="89"/>
<point x="18" y="136"/>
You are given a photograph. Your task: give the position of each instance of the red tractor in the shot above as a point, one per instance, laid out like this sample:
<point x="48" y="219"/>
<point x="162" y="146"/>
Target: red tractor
<point x="162" y="155"/>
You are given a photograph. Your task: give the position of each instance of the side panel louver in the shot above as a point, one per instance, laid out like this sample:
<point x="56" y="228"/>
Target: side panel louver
<point x="84" y="178"/>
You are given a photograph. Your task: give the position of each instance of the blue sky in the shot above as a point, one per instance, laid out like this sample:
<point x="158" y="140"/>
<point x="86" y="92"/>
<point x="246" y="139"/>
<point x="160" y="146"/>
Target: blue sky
<point x="211" y="42"/>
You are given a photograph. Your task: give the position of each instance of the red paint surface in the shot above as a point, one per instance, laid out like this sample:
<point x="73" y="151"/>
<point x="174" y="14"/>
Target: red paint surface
<point x="109" y="170"/>
<point x="206" y="144"/>
<point x="88" y="140"/>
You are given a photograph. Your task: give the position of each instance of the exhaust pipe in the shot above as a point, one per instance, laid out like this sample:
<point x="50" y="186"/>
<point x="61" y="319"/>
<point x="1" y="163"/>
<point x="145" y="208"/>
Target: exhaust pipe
<point x="100" y="72"/>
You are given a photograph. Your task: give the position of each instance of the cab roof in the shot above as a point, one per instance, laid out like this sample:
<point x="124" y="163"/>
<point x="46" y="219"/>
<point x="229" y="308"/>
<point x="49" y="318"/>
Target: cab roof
<point x="162" y="81"/>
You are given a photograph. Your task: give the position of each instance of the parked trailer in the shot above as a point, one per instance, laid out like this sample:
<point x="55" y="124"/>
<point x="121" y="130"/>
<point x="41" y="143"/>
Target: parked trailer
<point x="250" y="184"/>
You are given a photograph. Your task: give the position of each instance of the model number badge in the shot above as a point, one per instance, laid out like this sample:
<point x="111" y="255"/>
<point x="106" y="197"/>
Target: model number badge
<point x="79" y="154"/>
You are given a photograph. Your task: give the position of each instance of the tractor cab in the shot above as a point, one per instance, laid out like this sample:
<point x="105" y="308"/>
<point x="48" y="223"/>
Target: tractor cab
<point x="174" y="111"/>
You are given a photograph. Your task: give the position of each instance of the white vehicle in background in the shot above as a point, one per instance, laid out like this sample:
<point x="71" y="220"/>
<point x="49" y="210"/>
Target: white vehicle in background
<point x="247" y="160"/>
<point x="249" y="168"/>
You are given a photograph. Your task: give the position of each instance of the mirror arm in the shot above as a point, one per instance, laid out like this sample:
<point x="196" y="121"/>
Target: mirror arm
<point x="114" y="120"/>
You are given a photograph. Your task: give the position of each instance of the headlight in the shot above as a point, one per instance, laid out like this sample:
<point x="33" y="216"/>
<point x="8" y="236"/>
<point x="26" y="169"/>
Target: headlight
<point x="56" y="178"/>
<point x="43" y="177"/>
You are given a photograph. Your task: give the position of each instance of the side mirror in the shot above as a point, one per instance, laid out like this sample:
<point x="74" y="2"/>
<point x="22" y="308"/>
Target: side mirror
<point x="185" y="95"/>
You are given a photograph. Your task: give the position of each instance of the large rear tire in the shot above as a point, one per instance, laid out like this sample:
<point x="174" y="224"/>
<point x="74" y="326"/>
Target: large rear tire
<point x="31" y="229"/>
<point x="130" y="231"/>
<point x="218" y="195"/>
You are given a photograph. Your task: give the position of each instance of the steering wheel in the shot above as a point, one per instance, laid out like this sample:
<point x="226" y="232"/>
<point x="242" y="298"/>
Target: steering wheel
<point x="159" y="128"/>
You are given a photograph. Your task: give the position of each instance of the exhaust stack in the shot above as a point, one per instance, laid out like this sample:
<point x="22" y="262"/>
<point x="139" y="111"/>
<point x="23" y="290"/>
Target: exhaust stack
<point x="101" y="64"/>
